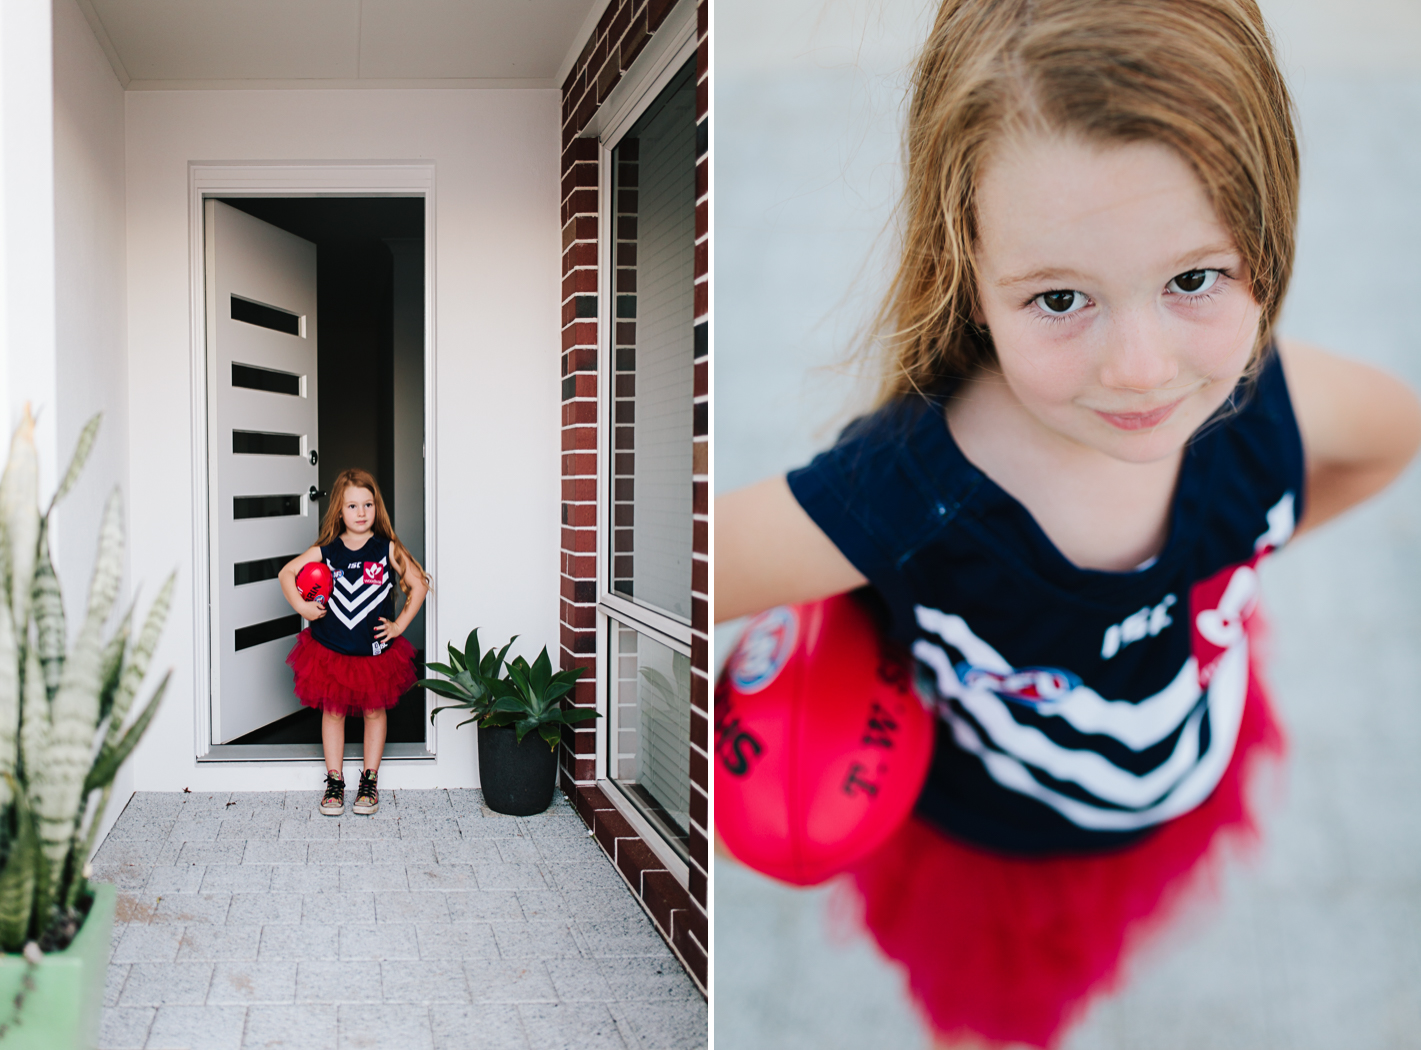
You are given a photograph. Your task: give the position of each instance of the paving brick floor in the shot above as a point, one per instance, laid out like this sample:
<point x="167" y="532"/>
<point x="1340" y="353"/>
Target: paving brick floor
<point x="250" y="920"/>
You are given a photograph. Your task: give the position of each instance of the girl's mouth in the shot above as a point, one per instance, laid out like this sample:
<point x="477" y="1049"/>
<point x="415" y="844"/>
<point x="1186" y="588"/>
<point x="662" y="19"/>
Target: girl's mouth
<point x="1138" y="420"/>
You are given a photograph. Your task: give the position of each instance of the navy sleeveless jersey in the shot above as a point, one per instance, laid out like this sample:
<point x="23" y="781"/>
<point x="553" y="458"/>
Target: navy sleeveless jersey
<point x="1077" y="708"/>
<point x="363" y="591"/>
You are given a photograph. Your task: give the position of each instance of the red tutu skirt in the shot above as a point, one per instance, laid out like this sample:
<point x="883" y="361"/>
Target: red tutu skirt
<point x="1012" y="950"/>
<point x="350" y="685"/>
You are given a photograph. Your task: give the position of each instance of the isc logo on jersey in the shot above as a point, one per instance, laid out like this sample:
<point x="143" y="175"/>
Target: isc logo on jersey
<point x="1030" y="685"/>
<point x="766" y="648"/>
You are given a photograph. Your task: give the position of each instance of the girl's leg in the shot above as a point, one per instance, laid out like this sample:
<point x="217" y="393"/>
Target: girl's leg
<point x="375" y="725"/>
<point x="333" y="740"/>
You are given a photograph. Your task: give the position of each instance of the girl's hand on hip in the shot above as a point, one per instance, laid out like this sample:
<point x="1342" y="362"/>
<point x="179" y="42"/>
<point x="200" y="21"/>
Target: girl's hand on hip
<point x="388" y="630"/>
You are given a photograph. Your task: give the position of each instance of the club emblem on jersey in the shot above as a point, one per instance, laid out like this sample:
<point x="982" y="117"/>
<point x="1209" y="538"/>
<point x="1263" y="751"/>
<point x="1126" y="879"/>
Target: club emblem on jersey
<point x="374" y="573"/>
<point x="764" y="650"/>
<point x="1029" y="685"/>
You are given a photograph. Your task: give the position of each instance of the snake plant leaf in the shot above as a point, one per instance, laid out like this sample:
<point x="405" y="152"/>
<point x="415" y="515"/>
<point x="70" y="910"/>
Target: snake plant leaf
<point x="56" y="782"/>
<point x="578" y="714"/>
<point x="466" y="721"/>
<point x="113" y="664"/>
<point x="48" y="609"/>
<point x="82" y="447"/>
<point x="34" y="715"/>
<point x="551" y="733"/>
<point x="105" y="766"/>
<point x="19" y="514"/>
<point x="136" y="662"/>
<point x="455" y="657"/>
<point x="9" y="705"/>
<point x="445" y="669"/>
<point x="17" y="878"/>
<point x="522" y="727"/>
<point x="77" y="885"/>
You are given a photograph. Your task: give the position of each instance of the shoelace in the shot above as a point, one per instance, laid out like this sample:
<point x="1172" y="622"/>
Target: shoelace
<point x="367" y="786"/>
<point x="335" y="786"/>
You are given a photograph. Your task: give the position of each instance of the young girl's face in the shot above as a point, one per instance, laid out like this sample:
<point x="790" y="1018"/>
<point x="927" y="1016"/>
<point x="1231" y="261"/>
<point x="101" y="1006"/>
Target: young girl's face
<point x="1118" y="305"/>
<point x="357" y="510"/>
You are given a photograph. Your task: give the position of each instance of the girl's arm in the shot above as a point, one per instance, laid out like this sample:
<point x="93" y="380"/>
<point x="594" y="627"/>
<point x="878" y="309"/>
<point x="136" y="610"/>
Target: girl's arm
<point x="287" y="576"/>
<point x="769" y="552"/>
<point x="1360" y="428"/>
<point x="387" y="630"/>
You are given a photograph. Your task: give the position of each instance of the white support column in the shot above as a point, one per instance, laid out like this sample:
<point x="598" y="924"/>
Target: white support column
<point x="27" y="300"/>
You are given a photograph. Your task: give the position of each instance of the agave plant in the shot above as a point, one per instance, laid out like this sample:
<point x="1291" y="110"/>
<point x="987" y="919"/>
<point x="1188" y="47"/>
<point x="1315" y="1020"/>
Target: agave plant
<point x="62" y="715"/>
<point x="526" y="697"/>
<point x="472" y="680"/>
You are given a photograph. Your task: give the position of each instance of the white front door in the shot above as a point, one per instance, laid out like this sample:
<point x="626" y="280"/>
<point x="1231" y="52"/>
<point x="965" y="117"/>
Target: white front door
<point x="261" y="380"/>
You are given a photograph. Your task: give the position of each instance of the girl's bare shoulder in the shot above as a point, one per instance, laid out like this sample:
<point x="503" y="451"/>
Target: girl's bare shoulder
<point x="769" y="552"/>
<point x="1348" y="412"/>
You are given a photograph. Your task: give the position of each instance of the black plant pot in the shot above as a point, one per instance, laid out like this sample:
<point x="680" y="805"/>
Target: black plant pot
<point x="518" y="779"/>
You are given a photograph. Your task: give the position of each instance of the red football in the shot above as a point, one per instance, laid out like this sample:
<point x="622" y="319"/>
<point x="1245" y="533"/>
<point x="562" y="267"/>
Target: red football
<point x="822" y="743"/>
<point x="314" y="582"/>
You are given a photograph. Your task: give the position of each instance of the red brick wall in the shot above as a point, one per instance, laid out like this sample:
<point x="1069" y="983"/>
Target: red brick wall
<point x="621" y="35"/>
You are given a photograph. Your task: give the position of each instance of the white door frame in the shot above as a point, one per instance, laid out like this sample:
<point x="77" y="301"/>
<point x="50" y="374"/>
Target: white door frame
<point x="294" y="179"/>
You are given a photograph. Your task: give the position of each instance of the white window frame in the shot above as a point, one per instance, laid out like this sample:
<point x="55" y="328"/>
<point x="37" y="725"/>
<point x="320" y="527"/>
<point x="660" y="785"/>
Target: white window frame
<point x="670" y="48"/>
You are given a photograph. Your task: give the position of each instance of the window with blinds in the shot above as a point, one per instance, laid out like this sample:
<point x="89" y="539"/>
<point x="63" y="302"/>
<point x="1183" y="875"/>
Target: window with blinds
<point x="649" y="270"/>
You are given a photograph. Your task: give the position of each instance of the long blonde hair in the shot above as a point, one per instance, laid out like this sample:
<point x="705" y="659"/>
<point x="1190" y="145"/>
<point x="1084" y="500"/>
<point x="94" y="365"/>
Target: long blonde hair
<point x="1199" y="76"/>
<point x="332" y="525"/>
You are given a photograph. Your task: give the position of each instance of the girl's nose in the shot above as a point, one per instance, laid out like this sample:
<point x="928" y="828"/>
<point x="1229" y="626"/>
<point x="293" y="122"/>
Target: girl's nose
<point x="1137" y="355"/>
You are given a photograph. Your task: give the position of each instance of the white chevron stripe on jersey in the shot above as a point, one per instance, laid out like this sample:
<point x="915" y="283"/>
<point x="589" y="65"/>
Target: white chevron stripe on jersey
<point x="355" y="601"/>
<point x="1227" y="691"/>
<point x="1090" y="769"/>
<point x="1136" y="725"/>
<point x="350" y="622"/>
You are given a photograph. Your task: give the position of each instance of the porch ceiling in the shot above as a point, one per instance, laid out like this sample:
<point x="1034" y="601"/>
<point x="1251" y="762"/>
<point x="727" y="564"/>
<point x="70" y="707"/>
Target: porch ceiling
<point x="155" y="44"/>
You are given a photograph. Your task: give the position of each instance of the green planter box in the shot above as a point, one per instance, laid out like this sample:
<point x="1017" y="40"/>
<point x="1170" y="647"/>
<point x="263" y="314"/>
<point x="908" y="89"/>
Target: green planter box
<point x="65" y="1007"/>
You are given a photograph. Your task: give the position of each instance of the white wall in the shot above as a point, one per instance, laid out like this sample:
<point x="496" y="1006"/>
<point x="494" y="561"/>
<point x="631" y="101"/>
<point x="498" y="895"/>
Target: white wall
<point x="496" y="334"/>
<point x="27" y="303"/>
<point x="91" y="337"/>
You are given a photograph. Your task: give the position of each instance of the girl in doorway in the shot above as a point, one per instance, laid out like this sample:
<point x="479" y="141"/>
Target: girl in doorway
<point x="353" y="660"/>
<point x="1086" y="439"/>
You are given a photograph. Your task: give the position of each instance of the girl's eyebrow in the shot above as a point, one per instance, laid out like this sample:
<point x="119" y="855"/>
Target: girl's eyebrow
<point x="1038" y="276"/>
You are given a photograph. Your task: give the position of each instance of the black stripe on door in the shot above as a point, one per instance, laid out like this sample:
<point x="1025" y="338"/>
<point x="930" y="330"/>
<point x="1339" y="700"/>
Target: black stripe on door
<point x="265" y="506"/>
<point x="268" y="631"/>
<point x="263" y="443"/>
<point x="258" y="570"/>
<point x="269" y="379"/>
<point x="265" y="316"/>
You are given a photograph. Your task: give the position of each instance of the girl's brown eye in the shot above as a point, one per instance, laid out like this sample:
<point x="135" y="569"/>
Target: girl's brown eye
<point x="1061" y="302"/>
<point x="1193" y="281"/>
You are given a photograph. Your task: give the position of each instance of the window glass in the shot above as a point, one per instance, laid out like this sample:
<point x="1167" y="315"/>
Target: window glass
<point x="654" y="234"/>
<point x="649" y="727"/>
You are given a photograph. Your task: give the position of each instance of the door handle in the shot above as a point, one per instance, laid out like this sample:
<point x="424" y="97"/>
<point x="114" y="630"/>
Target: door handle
<point x="316" y="494"/>
<point x="314" y="457"/>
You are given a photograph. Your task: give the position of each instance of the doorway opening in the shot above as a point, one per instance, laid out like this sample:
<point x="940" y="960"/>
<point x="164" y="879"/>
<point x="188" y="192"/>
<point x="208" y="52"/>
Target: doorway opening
<point x="363" y="389"/>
